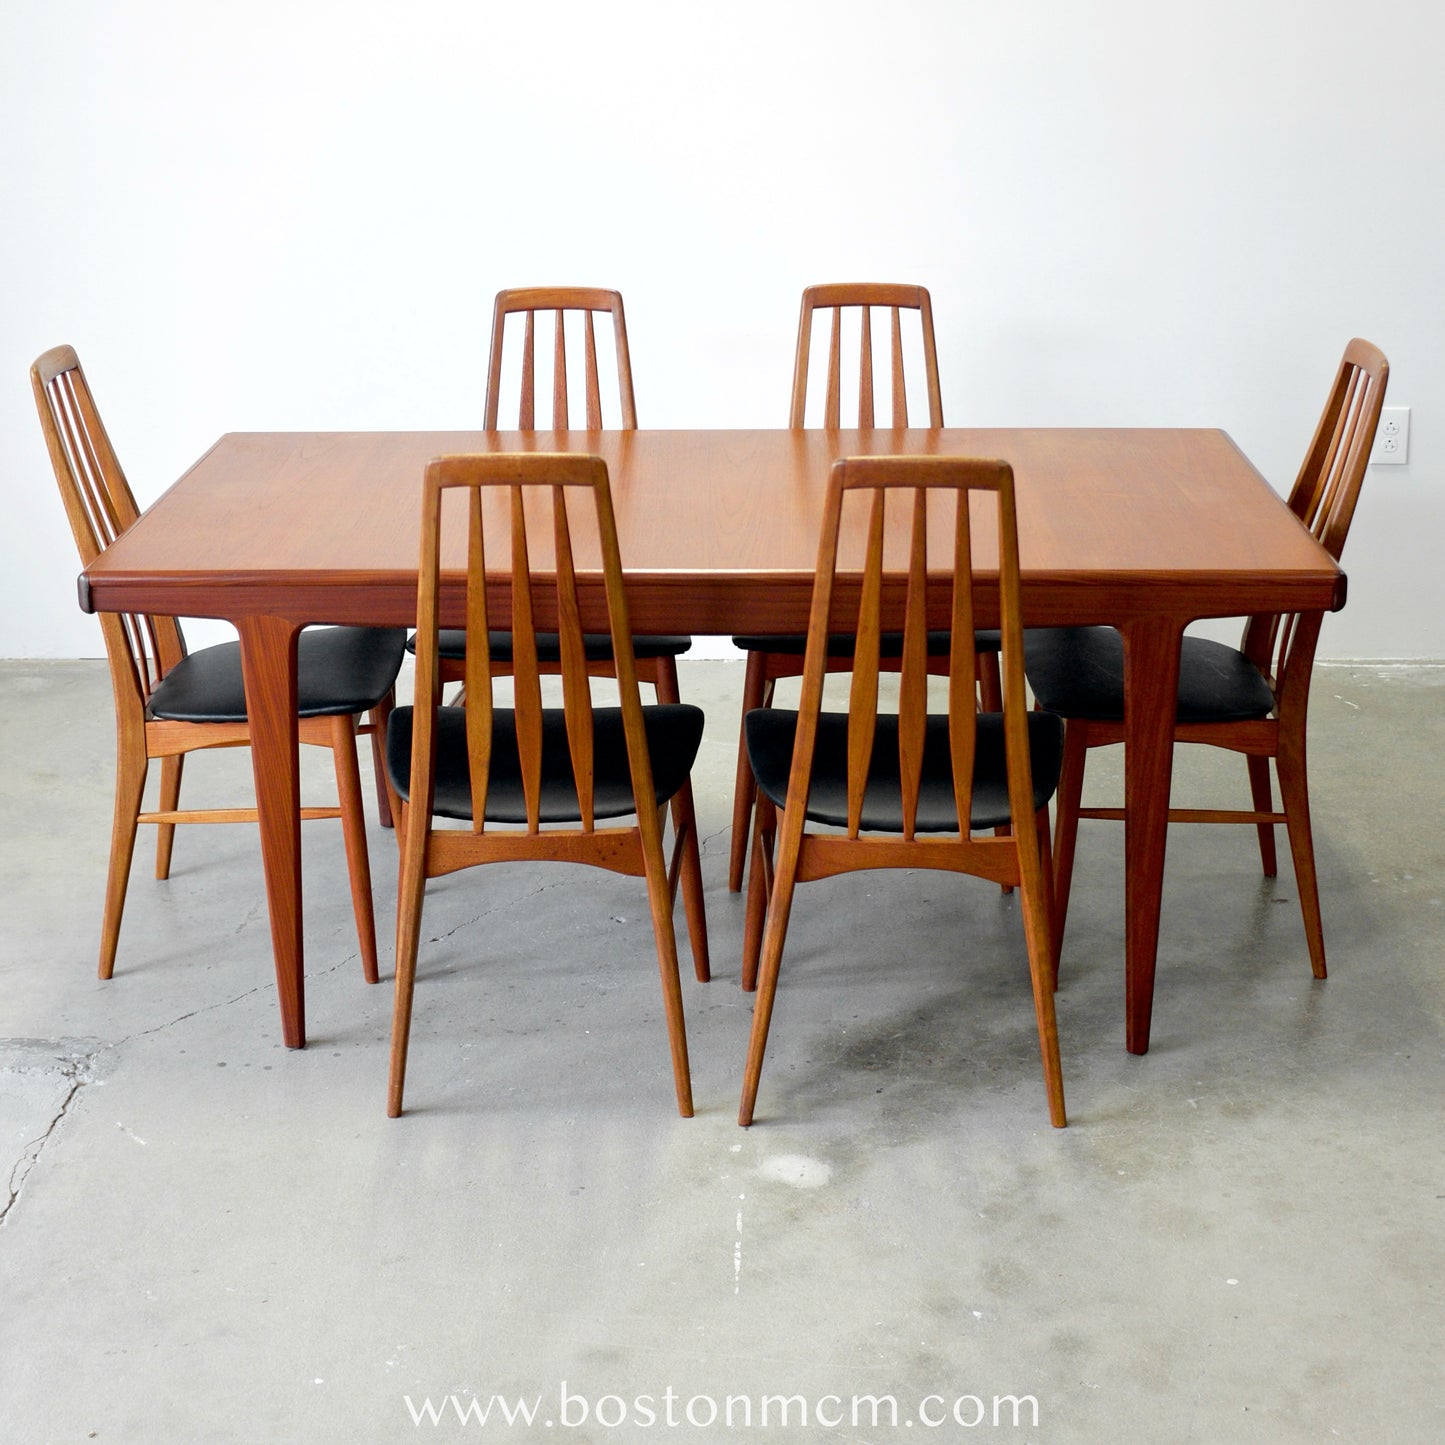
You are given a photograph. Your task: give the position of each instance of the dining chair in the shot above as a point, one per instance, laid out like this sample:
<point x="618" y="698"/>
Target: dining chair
<point x="910" y="789"/>
<point x="1252" y="699"/>
<point x="774" y="656"/>
<point x="546" y="775"/>
<point x="656" y="654"/>
<point x="170" y="701"/>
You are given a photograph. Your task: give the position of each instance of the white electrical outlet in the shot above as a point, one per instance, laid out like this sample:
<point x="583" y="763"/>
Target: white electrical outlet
<point x="1392" y="438"/>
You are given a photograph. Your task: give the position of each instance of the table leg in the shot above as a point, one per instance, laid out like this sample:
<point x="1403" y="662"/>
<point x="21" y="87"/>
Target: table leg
<point x="1151" y="688"/>
<point x="268" y="664"/>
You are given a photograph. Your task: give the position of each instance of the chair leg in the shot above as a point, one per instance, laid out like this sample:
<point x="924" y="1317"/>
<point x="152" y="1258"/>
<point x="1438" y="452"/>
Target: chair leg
<point x="1046" y="868"/>
<point x="744" y="786"/>
<point x="990" y="685"/>
<point x="410" y="894"/>
<point x="353" y="830"/>
<point x="760" y="882"/>
<point x="1259" y="791"/>
<point x="170" y="801"/>
<point x="1294" y="789"/>
<point x="779" y="906"/>
<point x="385" y="802"/>
<point x="1037" y="929"/>
<point x="130" y="781"/>
<point x="990" y="699"/>
<point x="659" y="898"/>
<point x="1066" y="829"/>
<point x="684" y="822"/>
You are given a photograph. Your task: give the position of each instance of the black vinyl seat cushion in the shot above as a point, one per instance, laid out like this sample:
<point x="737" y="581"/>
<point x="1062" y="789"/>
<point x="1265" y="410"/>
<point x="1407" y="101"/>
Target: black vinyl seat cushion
<point x="339" y="671"/>
<point x="674" y="731"/>
<point x="596" y="646"/>
<point x="842" y="644"/>
<point x="1079" y="672"/>
<point x="770" y="734"/>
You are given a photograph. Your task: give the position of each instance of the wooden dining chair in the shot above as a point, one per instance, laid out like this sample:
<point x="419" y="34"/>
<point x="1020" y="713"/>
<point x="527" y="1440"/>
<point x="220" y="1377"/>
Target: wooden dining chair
<point x="774" y="656"/>
<point x="656" y="654"/>
<point x="170" y="701"/>
<point x="898" y="784"/>
<point x="550" y="773"/>
<point x="1252" y="699"/>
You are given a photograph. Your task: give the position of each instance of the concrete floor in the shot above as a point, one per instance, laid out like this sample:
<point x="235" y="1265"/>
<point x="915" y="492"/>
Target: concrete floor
<point x="209" y="1238"/>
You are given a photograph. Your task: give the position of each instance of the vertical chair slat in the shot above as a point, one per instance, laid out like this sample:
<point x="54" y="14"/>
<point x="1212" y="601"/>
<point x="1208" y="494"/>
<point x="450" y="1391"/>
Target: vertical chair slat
<point x="1352" y="431"/>
<point x="962" y="706"/>
<point x="594" y="390"/>
<point x="1015" y="717"/>
<point x="576" y="689"/>
<point x="559" y="371"/>
<point x="116" y="503"/>
<point x="900" y="391"/>
<point x="101" y="516"/>
<point x="913" y="681"/>
<point x="526" y="676"/>
<point x="863" y="695"/>
<point x="527" y="406"/>
<point x="832" y="404"/>
<point x="865" y="370"/>
<point x="478" y="665"/>
<point x="1328" y="485"/>
<point x="427" y="686"/>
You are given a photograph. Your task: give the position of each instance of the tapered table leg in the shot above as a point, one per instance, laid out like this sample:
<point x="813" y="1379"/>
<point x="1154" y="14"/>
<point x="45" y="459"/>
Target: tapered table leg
<point x="1151" y="688"/>
<point x="268" y="664"/>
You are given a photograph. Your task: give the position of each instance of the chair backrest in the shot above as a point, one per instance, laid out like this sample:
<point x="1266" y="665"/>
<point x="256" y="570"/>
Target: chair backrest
<point x="864" y="297"/>
<point x="521" y="499"/>
<point x="1323" y="498"/>
<point x="559" y="300"/>
<point x="100" y="506"/>
<point x="911" y="497"/>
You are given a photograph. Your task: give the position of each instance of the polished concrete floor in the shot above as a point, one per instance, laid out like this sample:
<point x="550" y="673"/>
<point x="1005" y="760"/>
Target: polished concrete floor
<point x="1240" y="1237"/>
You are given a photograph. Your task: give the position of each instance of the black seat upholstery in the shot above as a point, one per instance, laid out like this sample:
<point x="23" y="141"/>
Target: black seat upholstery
<point x="596" y="646"/>
<point x="1079" y="672"/>
<point x="674" y="732"/>
<point x="770" y="751"/>
<point x="339" y="671"/>
<point x="842" y="644"/>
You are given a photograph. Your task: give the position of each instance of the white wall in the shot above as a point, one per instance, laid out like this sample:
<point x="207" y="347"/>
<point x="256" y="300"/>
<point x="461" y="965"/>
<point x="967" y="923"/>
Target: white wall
<point x="294" y="213"/>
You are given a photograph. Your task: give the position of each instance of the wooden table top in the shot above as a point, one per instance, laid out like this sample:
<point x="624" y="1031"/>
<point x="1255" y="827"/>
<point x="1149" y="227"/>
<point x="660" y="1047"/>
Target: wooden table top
<point x="718" y="528"/>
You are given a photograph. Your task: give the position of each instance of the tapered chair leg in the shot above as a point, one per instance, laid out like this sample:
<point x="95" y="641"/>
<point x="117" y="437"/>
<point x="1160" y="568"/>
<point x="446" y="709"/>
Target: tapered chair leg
<point x="130" y="781"/>
<point x="170" y="801"/>
<point x="684" y="821"/>
<point x="745" y="786"/>
<point x="760" y="879"/>
<point x="1294" y="789"/>
<point x="353" y="831"/>
<point x="1037" y="928"/>
<point x="990" y="699"/>
<point x="1066" y="829"/>
<point x="659" y="898"/>
<point x="780" y="905"/>
<point x="1263" y="801"/>
<point x="408" y="935"/>
<point x="385" y="801"/>
<point x="1046" y="870"/>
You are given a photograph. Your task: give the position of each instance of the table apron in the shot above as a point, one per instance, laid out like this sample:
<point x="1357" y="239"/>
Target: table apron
<point x="709" y="605"/>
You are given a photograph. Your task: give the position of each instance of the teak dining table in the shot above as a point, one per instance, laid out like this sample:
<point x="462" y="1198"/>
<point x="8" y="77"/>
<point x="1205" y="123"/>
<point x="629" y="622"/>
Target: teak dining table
<point x="1147" y="530"/>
